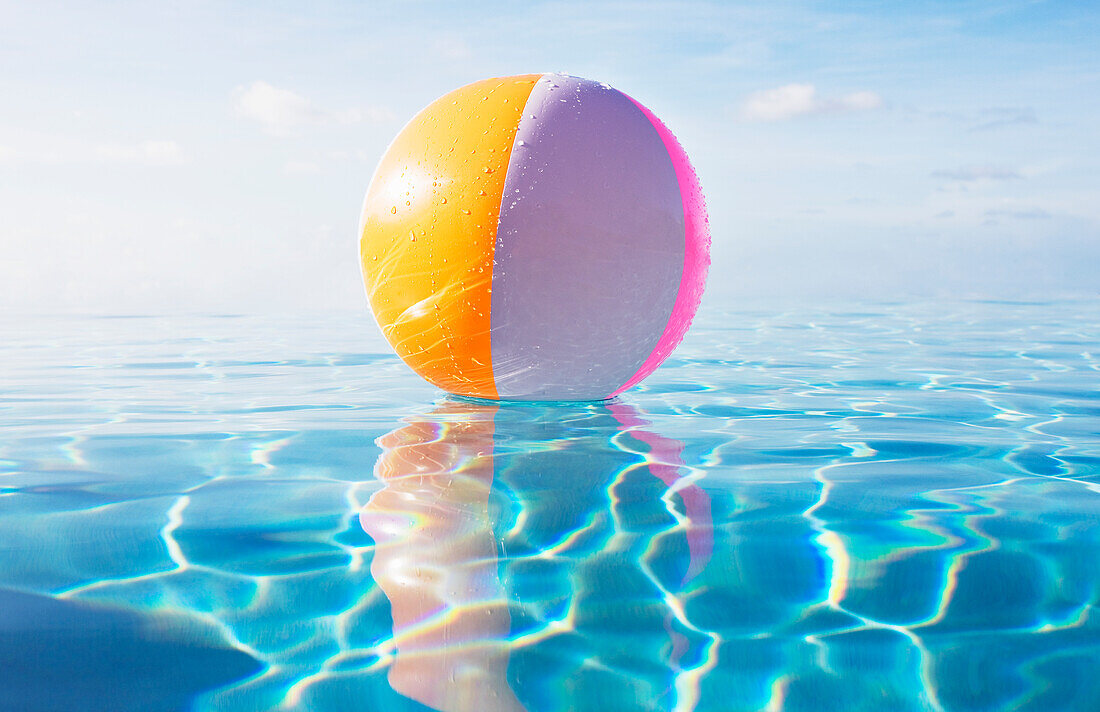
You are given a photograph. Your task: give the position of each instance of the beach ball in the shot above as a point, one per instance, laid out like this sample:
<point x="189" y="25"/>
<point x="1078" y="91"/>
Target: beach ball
<point x="535" y="237"/>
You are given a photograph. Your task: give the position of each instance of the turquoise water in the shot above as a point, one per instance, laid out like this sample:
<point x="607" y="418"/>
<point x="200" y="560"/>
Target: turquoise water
<point x="882" y="507"/>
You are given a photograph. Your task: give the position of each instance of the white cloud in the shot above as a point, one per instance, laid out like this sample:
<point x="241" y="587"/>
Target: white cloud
<point x="782" y="103"/>
<point x="301" y="168"/>
<point x="1020" y="214"/>
<point x="792" y="100"/>
<point x="281" y="112"/>
<point x="974" y="174"/>
<point x="56" y="150"/>
<point x="453" y="48"/>
<point x="153" y="153"/>
<point x="372" y="114"/>
<point x="856" y="101"/>
<point x="1000" y="116"/>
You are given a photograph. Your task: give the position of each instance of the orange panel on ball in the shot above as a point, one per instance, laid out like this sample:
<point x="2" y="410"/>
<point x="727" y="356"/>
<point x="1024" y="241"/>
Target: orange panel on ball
<point x="428" y="232"/>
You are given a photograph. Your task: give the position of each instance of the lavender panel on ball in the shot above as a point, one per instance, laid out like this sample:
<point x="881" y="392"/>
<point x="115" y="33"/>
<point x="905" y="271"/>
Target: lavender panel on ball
<point x="589" y="247"/>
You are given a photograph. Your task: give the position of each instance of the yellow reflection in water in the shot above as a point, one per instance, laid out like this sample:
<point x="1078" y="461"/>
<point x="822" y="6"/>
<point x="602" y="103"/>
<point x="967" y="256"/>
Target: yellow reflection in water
<point x="435" y="559"/>
<point x="436" y="553"/>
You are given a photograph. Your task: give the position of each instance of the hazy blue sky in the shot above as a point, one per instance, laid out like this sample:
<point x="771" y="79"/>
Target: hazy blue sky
<point x="213" y="156"/>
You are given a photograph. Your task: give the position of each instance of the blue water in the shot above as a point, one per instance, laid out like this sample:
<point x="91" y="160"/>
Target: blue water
<point x="882" y="507"/>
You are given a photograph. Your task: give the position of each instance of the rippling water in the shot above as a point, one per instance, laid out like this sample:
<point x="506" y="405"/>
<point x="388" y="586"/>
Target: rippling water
<point x="889" y="507"/>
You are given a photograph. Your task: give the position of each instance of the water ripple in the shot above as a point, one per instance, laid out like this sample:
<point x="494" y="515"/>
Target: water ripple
<point x="890" y="507"/>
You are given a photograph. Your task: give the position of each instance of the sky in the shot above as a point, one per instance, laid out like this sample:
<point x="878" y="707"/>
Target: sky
<point x="212" y="156"/>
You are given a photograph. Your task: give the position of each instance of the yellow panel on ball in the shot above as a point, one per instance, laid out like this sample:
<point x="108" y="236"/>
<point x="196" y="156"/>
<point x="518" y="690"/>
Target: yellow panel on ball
<point x="428" y="232"/>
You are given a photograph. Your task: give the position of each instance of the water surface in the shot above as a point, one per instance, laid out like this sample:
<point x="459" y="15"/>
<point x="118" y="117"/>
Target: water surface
<point x="878" y="507"/>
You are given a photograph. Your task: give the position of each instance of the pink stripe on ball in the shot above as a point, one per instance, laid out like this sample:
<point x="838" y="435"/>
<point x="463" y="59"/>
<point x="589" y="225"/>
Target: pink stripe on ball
<point x="696" y="253"/>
